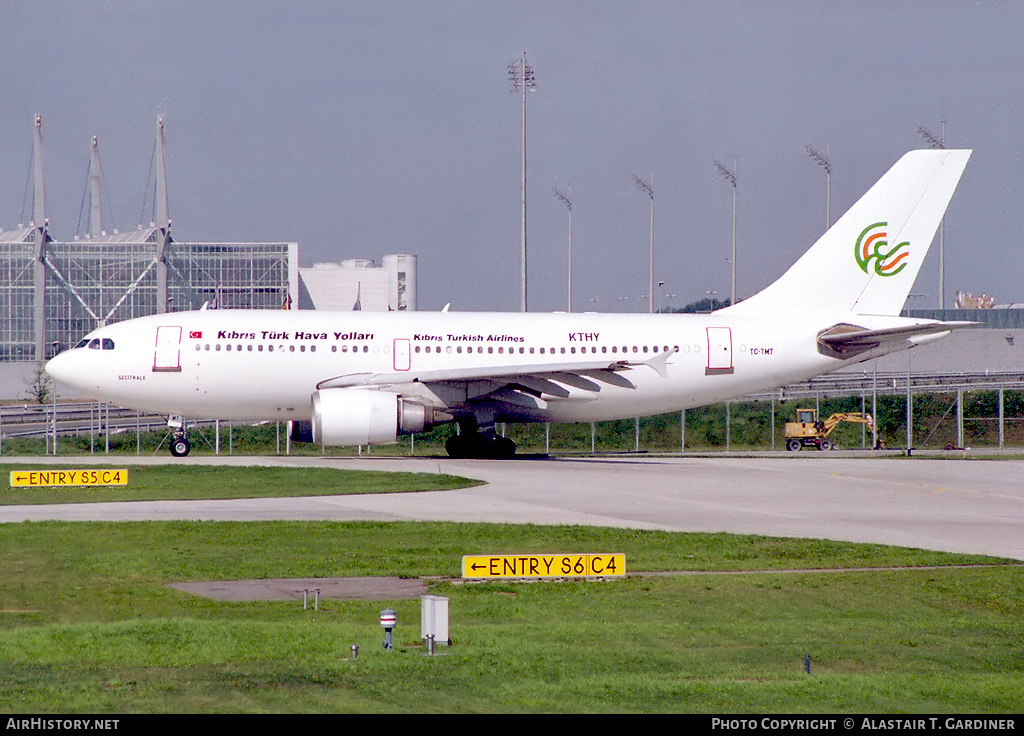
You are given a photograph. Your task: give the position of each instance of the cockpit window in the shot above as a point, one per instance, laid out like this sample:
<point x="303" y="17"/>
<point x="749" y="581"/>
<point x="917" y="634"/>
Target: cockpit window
<point x="82" y="343"/>
<point x="94" y="344"/>
<point x="108" y="344"/>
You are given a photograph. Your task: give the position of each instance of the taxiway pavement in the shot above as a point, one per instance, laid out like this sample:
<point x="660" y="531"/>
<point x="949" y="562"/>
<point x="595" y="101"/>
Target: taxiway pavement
<point x="971" y="506"/>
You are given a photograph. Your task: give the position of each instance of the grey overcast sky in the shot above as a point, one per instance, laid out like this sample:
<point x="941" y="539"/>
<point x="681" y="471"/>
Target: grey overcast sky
<point x="365" y="128"/>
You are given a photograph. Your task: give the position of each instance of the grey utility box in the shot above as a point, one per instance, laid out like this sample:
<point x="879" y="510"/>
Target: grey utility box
<point x="434" y="618"/>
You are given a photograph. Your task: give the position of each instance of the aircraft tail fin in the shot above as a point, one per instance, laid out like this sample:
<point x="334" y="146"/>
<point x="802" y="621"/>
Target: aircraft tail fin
<point x="868" y="260"/>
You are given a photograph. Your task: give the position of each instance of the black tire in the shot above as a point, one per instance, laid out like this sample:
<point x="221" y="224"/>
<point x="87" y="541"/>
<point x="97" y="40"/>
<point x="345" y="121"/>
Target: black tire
<point x="480" y="446"/>
<point x="825" y="445"/>
<point x="793" y="445"/>
<point x="457" y="447"/>
<point x="180" y="447"/>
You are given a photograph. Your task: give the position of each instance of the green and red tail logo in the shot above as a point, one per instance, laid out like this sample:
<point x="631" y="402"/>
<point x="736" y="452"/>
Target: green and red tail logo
<point x="872" y="251"/>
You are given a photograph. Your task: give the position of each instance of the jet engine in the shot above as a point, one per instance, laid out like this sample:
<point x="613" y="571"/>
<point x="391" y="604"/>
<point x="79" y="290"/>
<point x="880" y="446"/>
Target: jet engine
<point x="359" y="416"/>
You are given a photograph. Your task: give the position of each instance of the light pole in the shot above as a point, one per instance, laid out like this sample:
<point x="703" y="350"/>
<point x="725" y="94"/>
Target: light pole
<point x="648" y="189"/>
<point x="939" y="142"/>
<point x="520" y="75"/>
<point x="566" y="199"/>
<point x="825" y="161"/>
<point x="730" y="175"/>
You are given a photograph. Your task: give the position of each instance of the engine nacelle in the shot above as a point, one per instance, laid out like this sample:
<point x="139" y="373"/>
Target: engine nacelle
<point x="359" y="416"/>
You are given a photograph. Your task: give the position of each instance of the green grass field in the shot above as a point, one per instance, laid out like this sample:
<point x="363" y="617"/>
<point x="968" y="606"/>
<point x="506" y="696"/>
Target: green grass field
<point x="88" y="623"/>
<point x="176" y="483"/>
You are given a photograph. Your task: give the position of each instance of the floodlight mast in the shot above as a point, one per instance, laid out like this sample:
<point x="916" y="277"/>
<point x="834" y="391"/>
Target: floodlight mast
<point x="825" y="161"/>
<point x="566" y="199"/>
<point x="520" y="76"/>
<point x="939" y="142"/>
<point x="648" y="189"/>
<point x="730" y="175"/>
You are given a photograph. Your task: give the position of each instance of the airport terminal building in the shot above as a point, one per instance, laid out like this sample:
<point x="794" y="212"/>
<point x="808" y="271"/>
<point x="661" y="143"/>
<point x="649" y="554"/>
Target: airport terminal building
<point x="52" y="292"/>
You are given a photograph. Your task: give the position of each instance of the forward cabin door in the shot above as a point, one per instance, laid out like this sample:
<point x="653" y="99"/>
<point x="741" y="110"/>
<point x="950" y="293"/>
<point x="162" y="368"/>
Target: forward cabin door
<point x="167" y="356"/>
<point x="719" y="351"/>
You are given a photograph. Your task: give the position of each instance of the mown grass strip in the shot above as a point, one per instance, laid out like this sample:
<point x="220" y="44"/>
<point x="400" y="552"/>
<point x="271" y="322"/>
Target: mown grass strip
<point x="109" y="636"/>
<point x="181" y="483"/>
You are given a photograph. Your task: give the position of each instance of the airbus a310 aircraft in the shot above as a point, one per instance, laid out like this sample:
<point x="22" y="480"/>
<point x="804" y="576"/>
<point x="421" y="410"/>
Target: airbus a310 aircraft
<point x="363" y="378"/>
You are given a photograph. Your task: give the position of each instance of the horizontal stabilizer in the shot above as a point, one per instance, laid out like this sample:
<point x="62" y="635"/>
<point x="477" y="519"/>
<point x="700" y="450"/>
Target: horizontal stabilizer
<point x="846" y="340"/>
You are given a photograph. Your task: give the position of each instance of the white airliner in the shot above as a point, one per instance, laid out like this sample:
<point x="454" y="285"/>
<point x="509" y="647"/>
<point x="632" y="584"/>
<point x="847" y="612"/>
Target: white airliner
<point x="362" y="378"/>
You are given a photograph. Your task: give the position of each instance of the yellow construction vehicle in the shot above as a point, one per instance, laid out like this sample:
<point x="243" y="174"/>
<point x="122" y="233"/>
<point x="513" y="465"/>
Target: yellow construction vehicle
<point x="807" y="431"/>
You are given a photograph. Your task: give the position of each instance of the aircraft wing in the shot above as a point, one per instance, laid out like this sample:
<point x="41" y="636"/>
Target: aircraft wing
<point x="541" y="378"/>
<point x="846" y="340"/>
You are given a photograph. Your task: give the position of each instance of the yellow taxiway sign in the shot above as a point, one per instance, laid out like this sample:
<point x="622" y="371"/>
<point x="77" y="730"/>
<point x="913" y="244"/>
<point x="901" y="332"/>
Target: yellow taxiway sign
<point x="543" y="566"/>
<point x="90" y="477"/>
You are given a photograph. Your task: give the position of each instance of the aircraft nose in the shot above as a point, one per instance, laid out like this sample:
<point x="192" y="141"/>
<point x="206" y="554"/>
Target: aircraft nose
<point x="61" y="368"/>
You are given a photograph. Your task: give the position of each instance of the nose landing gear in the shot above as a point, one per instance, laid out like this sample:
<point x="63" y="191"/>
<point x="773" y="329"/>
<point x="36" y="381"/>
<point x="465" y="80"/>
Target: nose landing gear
<point x="179" y="445"/>
<point x="179" y="442"/>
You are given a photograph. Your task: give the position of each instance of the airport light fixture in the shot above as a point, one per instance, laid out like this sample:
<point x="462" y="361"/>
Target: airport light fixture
<point x="825" y="161"/>
<point x="520" y="76"/>
<point x="566" y="199"/>
<point x="648" y="189"/>
<point x="938" y="142"/>
<point x="730" y="175"/>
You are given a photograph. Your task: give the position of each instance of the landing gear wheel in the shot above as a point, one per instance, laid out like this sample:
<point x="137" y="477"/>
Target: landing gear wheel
<point x="793" y="445"/>
<point x="180" y="446"/>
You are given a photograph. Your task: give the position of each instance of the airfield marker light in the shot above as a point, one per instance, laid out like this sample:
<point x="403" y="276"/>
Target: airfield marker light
<point x="355" y="651"/>
<point x="388" y="621"/>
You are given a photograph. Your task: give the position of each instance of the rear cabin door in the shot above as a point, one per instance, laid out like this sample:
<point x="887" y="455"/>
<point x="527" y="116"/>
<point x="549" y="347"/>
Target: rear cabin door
<point x="719" y="351"/>
<point x="167" y="356"/>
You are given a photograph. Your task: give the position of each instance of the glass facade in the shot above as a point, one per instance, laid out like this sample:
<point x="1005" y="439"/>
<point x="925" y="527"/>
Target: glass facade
<point x="113" y="278"/>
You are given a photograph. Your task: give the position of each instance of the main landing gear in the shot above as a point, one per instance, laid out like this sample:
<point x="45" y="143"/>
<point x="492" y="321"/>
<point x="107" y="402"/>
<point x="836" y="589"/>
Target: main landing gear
<point x="470" y="442"/>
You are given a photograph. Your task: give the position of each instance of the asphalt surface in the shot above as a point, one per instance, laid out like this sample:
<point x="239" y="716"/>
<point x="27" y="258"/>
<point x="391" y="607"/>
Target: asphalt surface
<point x="954" y="505"/>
